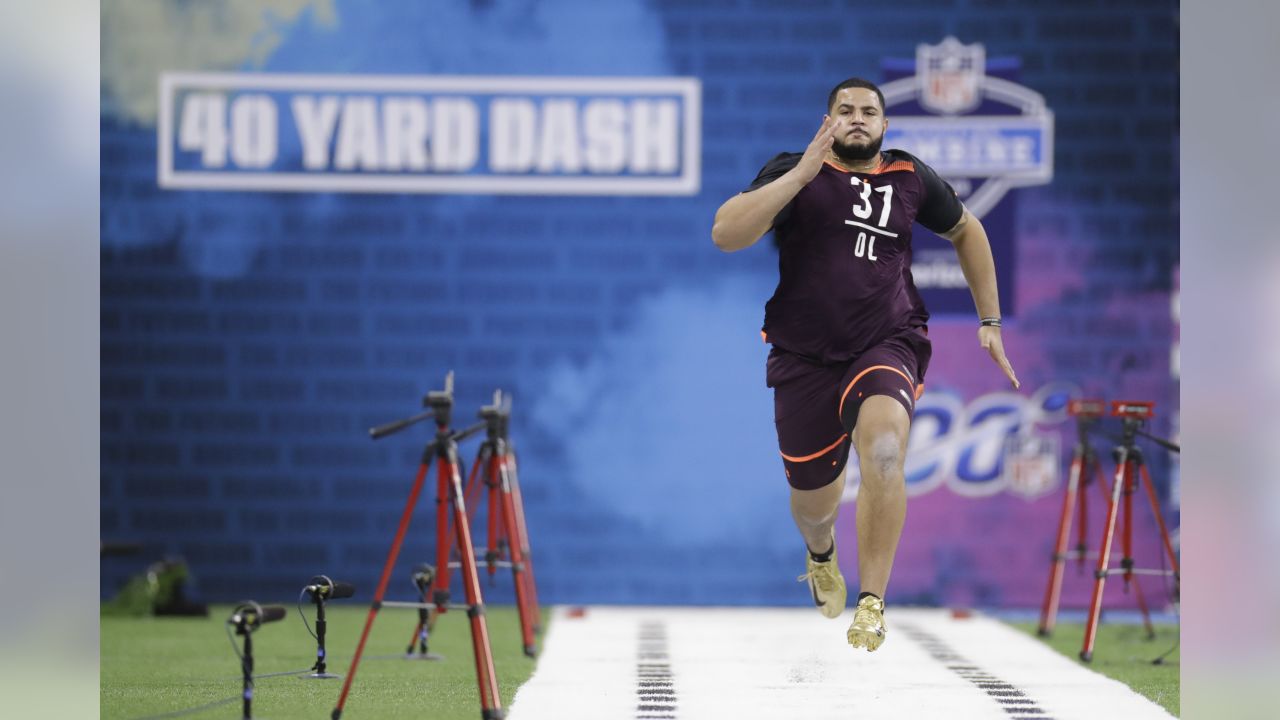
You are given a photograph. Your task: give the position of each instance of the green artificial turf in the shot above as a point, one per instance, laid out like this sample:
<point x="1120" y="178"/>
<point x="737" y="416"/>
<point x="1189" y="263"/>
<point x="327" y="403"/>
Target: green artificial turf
<point x="1124" y="653"/>
<point x="152" y="666"/>
<point x="158" y="665"/>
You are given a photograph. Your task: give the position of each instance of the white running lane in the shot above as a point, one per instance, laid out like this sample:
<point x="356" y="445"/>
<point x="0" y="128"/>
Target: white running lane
<point x="650" y="663"/>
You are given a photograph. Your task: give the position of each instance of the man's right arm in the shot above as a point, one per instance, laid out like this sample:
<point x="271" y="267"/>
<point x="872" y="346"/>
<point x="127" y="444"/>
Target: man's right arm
<point x="746" y="217"/>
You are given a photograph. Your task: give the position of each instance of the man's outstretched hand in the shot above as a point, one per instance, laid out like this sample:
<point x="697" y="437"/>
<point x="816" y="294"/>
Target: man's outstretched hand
<point x="989" y="338"/>
<point x="814" y="155"/>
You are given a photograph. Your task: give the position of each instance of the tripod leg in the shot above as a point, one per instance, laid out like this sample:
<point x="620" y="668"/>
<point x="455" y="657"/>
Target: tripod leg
<point x="522" y="537"/>
<point x="1082" y="532"/>
<point x="486" y="676"/>
<point x="1049" y="610"/>
<point x="382" y="586"/>
<point x="440" y="585"/>
<point x="1127" y="562"/>
<point x="1104" y="558"/>
<point x="1146" y="614"/>
<point x="473" y="485"/>
<point x="479" y="479"/>
<point x="1102" y="483"/>
<point x="1100" y="479"/>
<point x="1126" y="528"/>
<point x="1164" y="531"/>
<point x="518" y="570"/>
<point x="495" y="514"/>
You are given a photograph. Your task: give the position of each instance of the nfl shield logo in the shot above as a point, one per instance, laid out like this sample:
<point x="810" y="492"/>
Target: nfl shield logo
<point x="949" y="73"/>
<point x="1031" y="465"/>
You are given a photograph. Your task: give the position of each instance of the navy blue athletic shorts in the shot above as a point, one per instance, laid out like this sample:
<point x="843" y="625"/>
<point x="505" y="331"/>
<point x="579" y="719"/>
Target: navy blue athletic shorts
<point x="815" y="406"/>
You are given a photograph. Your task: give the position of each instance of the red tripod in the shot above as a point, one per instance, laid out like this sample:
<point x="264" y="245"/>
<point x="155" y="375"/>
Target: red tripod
<point x="443" y="453"/>
<point x="1129" y="466"/>
<point x="493" y="468"/>
<point x="1085" y="468"/>
<point x="508" y="539"/>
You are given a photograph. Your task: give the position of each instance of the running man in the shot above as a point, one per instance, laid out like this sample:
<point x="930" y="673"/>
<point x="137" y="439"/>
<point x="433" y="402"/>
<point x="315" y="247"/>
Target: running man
<point x="849" y="330"/>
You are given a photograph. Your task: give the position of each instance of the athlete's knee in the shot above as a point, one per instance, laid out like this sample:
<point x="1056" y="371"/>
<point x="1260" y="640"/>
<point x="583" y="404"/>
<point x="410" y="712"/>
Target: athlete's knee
<point x="881" y="454"/>
<point x="814" y="512"/>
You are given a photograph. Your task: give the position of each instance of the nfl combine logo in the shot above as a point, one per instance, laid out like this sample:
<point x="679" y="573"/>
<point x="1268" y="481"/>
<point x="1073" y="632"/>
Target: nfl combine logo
<point x="949" y="75"/>
<point x="963" y="113"/>
<point x="985" y="133"/>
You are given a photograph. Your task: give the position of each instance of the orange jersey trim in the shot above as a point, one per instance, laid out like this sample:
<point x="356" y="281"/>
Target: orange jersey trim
<point x="820" y="453"/>
<point x="894" y="166"/>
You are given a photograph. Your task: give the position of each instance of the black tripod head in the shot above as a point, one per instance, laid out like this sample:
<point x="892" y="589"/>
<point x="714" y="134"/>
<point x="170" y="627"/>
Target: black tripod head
<point x="497" y="417"/>
<point x="1133" y="415"/>
<point x="1086" y="412"/>
<point x="1087" y="409"/>
<point x="440" y="402"/>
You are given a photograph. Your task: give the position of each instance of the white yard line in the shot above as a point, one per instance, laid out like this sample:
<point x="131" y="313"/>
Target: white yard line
<point x="629" y="663"/>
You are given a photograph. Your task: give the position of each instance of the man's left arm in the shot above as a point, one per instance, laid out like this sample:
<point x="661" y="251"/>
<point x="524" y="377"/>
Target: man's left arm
<point x="974" y="252"/>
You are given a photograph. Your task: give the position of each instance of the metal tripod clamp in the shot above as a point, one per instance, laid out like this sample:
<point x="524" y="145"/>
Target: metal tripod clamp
<point x="441" y="402"/>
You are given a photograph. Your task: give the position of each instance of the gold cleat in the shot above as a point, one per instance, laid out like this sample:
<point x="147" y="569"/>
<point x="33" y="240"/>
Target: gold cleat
<point x="826" y="583"/>
<point x="868" y="629"/>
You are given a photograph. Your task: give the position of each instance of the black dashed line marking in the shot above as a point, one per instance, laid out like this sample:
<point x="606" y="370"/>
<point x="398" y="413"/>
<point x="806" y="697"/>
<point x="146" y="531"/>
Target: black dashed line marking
<point x="1007" y="696"/>
<point x="655" y="690"/>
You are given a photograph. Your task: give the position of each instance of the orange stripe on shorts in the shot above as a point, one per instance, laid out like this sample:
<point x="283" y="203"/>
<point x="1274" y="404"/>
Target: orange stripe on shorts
<point x="858" y="377"/>
<point x="820" y="453"/>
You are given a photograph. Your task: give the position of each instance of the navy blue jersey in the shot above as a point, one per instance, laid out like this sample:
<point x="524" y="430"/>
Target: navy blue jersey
<point x="844" y="254"/>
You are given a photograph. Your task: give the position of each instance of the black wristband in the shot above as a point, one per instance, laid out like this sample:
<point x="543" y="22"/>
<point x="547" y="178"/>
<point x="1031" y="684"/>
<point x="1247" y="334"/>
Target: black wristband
<point x="990" y="322"/>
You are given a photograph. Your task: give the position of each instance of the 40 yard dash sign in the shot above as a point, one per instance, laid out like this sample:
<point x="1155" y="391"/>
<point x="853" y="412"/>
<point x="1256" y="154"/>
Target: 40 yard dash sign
<point x="429" y="134"/>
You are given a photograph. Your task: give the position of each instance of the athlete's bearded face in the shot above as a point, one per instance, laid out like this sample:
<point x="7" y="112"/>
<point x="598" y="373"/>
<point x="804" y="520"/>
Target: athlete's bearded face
<point x="860" y="124"/>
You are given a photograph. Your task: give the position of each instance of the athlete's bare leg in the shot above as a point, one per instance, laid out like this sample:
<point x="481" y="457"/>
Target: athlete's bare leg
<point x="880" y="439"/>
<point x="815" y="512"/>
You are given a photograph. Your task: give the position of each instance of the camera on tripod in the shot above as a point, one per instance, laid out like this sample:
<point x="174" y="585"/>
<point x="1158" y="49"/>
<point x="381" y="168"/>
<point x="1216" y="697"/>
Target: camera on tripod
<point x="1087" y="408"/>
<point x="1132" y="410"/>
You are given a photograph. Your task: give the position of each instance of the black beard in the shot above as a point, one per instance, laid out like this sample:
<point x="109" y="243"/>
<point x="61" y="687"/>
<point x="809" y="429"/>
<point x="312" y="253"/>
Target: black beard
<point x="857" y="153"/>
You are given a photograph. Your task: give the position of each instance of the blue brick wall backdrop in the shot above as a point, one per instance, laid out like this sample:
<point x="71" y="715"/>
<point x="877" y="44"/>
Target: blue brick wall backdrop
<point x="249" y="339"/>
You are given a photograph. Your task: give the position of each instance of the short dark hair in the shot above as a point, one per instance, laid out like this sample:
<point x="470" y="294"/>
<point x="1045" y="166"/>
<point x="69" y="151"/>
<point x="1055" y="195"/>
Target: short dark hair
<point x="855" y="82"/>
